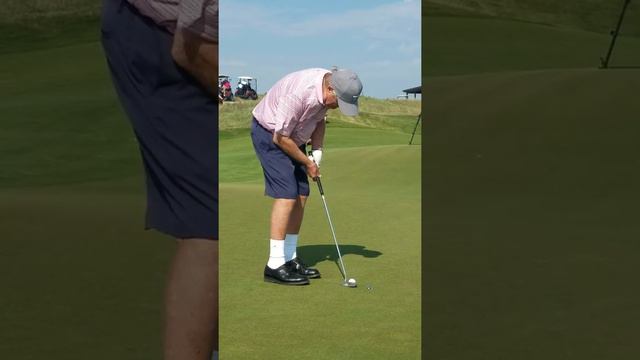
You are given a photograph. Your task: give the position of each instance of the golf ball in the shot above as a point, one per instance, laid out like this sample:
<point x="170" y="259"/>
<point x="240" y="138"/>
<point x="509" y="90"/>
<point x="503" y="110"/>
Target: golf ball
<point x="351" y="281"/>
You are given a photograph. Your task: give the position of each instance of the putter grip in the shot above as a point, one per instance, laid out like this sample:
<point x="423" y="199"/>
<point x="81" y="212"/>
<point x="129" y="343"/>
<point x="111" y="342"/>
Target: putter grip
<point x="317" y="179"/>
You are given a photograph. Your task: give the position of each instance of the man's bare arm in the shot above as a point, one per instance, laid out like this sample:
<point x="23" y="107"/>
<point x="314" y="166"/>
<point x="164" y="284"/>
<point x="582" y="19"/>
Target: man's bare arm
<point x="317" y="137"/>
<point x="198" y="57"/>
<point x="290" y="148"/>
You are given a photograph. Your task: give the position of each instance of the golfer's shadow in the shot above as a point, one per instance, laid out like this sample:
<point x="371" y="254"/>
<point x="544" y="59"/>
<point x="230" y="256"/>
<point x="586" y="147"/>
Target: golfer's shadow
<point x="313" y="254"/>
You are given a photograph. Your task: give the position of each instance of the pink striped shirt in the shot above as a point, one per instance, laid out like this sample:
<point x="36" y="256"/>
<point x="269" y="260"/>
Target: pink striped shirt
<point x="197" y="16"/>
<point x="294" y="106"/>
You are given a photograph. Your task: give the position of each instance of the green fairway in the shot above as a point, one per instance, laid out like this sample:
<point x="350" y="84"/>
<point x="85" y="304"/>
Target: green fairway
<point x="372" y="184"/>
<point x="530" y="182"/>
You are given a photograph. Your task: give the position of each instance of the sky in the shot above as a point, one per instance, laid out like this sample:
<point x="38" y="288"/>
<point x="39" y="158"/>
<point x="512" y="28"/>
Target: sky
<point x="378" y="39"/>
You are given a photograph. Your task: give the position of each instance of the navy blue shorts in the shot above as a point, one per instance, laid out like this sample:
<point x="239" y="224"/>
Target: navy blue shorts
<point x="174" y="119"/>
<point x="284" y="178"/>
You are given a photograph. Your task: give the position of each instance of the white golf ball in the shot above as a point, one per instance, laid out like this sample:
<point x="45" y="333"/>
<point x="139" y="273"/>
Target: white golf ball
<point x="351" y="281"/>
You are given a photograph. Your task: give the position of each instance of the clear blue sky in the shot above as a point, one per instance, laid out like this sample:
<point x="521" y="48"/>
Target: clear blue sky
<point x="378" y="39"/>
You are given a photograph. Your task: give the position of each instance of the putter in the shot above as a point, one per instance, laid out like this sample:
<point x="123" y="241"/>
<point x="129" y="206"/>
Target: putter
<point x="346" y="282"/>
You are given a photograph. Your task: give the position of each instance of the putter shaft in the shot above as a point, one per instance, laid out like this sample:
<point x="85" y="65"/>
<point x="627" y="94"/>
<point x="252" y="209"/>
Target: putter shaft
<point x="333" y="232"/>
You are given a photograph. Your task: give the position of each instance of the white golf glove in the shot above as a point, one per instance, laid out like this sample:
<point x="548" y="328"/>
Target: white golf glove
<point x="316" y="156"/>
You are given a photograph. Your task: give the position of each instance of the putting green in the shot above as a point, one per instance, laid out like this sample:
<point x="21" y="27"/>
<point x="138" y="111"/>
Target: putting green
<point x="373" y="193"/>
<point x="82" y="279"/>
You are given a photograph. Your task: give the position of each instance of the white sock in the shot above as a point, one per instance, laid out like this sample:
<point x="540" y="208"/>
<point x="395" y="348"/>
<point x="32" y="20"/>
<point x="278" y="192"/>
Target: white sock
<point x="276" y="253"/>
<point x="290" y="245"/>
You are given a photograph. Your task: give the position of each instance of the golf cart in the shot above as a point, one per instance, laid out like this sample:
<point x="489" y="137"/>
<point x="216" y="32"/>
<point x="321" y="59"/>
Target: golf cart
<point x="247" y="88"/>
<point x="224" y="88"/>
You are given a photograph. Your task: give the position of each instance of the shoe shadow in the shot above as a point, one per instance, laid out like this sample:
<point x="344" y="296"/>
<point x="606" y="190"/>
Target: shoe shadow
<point x="313" y="254"/>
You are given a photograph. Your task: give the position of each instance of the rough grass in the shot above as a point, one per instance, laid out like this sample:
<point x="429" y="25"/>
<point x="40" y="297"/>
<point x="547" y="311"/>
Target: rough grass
<point x="592" y="15"/>
<point x="38" y="24"/>
<point x="395" y="115"/>
<point x="466" y="45"/>
<point x="23" y="11"/>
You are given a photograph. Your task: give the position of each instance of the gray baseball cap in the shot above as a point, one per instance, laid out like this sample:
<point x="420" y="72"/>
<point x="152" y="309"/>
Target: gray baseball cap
<point x="348" y="88"/>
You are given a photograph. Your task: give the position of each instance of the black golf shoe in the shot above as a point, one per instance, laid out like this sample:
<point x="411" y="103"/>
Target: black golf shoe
<point x="284" y="276"/>
<point x="296" y="265"/>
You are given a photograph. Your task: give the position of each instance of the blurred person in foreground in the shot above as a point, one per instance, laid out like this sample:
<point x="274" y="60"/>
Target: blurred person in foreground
<point x="163" y="57"/>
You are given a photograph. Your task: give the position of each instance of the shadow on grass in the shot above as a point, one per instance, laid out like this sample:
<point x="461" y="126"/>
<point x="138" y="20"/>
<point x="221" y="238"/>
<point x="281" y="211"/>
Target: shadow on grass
<point x="313" y="254"/>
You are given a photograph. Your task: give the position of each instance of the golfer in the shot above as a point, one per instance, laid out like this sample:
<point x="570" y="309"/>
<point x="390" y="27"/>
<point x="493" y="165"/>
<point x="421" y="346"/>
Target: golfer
<point x="291" y="114"/>
<point x="163" y="57"/>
